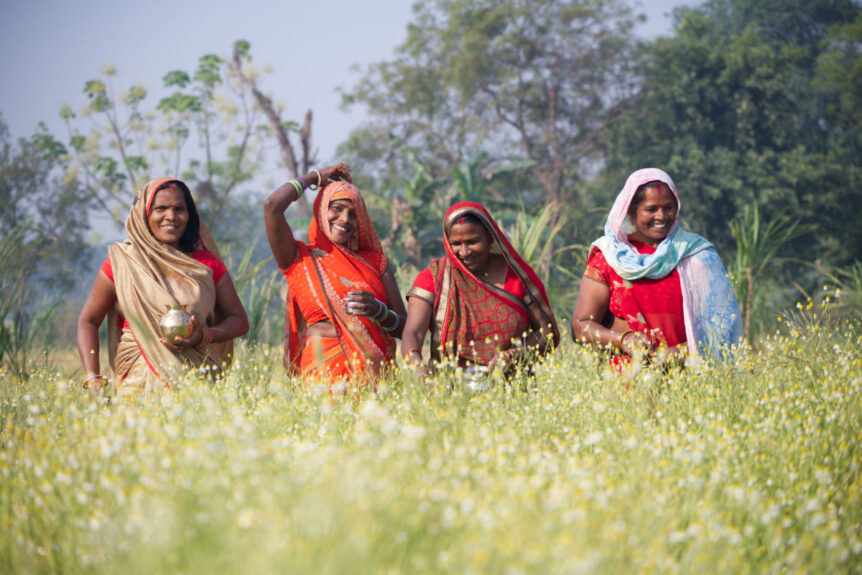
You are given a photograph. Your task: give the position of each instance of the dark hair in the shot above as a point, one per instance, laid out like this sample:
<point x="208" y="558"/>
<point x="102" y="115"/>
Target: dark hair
<point x="189" y="240"/>
<point x="639" y="195"/>
<point x="469" y="218"/>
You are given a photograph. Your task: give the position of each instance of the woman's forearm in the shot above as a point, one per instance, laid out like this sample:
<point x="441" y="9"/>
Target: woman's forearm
<point x="627" y="340"/>
<point x="88" y="347"/>
<point x="411" y="348"/>
<point x="229" y="328"/>
<point x="591" y="331"/>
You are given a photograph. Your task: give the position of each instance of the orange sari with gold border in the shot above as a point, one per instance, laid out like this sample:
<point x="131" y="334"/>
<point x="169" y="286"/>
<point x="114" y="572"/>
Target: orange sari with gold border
<point x="317" y="282"/>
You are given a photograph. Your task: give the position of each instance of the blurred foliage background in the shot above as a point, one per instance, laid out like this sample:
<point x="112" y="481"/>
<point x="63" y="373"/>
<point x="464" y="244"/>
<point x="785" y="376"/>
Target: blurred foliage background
<point x="539" y="109"/>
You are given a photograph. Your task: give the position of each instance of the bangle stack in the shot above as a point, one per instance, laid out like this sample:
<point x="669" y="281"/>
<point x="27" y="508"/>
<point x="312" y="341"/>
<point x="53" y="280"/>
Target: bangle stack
<point x="380" y="314"/>
<point x="393" y="318"/>
<point x="206" y="339"/>
<point x="384" y="314"/>
<point x="93" y="379"/>
<point x="299" y="185"/>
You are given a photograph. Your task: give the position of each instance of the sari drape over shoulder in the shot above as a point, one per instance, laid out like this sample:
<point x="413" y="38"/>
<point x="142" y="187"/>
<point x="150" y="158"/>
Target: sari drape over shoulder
<point x="472" y="320"/>
<point x="317" y="282"/>
<point x="643" y="280"/>
<point x="149" y="277"/>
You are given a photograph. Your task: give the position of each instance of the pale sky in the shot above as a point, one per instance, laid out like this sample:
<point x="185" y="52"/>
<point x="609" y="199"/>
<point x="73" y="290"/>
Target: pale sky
<point x="49" y="48"/>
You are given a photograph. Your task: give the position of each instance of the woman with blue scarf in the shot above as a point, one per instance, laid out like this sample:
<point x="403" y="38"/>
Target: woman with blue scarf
<point x="652" y="286"/>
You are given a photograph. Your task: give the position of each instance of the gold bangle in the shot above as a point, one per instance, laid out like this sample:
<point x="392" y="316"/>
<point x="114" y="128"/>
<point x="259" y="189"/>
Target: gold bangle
<point x="205" y="339"/>
<point x="622" y="335"/>
<point x="94" y="378"/>
<point x="319" y="179"/>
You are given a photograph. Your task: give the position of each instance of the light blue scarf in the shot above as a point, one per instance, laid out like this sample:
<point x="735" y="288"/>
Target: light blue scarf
<point x="713" y="323"/>
<point x="631" y="265"/>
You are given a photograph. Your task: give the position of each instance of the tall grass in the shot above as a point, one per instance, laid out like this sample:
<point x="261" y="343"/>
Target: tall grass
<point x="22" y="327"/>
<point x="751" y="466"/>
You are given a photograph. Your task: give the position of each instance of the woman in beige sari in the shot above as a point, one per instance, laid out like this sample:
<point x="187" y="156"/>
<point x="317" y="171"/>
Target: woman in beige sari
<point x="168" y="259"/>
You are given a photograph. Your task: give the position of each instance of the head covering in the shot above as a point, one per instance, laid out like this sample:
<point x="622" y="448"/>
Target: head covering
<point x="149" y="277"/>
<point x="712" y="316"/>
<point x="617" y="249"/>
<point x="364" y="235"/>
<point x="465" y="303"/>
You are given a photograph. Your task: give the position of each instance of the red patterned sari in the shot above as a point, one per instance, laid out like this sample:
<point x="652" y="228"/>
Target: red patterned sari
<point x="474" y="320"/>
<point x="318" y="280"/>
<point x="651" y="306"/>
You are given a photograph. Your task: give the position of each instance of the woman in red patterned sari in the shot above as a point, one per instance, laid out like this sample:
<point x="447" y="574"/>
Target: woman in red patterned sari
<point x="343" y="307"/>
<point x="484" y="306"/>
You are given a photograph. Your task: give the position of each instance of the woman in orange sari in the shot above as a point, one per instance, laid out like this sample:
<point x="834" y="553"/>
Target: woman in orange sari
<point x="343" y="307"/>
<point x="485" y="306"/>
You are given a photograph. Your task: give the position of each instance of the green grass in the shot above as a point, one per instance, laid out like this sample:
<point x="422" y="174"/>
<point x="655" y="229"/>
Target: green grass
<point x="748" y="467"/>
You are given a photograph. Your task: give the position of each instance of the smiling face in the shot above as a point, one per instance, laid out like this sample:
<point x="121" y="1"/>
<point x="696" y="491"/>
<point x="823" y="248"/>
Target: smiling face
<point x="169" y="215"/>
<point x="654" y="215"/>
<point x="471" y="244"/>
<point x="341" y="216"/>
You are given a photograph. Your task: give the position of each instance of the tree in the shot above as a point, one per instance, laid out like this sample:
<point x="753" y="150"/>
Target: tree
<point x="731" y="109"/>
<point x="515" y="80"/>
<point x="43" y="226"/>
<point x="215" y="108"/>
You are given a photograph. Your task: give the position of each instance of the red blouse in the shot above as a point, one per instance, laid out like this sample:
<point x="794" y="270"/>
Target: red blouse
<point x="653" y="306"/>
<point x="511" y="284"/>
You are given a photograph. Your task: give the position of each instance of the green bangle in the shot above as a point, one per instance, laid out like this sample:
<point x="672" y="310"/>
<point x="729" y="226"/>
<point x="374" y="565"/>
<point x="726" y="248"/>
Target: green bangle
<point x="395" y="323"/>
<point x="298" y="187"/>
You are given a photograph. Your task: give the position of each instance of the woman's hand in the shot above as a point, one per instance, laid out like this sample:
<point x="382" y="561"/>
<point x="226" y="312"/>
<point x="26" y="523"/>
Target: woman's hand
<point x="670" y="356"/>
<point x="195" y="338"/>
<point x="361" y="302"/>
<point x="633" y="342"/>
<point x="278" y="231"/>
<point x="337" y="172"/>
<point x="502" y="360"/>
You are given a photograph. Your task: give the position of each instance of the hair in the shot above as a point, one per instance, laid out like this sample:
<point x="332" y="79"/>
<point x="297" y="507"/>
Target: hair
<point x="639" y="195"/>
<point x="190" y="238"/>
<point x="468" y="218"/>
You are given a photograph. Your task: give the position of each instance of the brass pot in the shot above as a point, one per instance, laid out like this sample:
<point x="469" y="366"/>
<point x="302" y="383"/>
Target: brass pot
<point x="176" y="322"/>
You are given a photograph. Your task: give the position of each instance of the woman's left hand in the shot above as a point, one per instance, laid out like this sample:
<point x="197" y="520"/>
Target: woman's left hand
<point x="361" y="302"/>
<point x="667" y="356"/>
<point x="194" y="339"/>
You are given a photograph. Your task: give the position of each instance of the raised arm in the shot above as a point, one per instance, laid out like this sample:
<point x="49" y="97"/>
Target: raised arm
<point x="99" y="302"/>
<point x="278" y="231"/>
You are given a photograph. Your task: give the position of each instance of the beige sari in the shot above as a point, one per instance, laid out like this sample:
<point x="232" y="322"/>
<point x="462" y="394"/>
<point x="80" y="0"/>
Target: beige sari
<point x="150" y="277"/>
